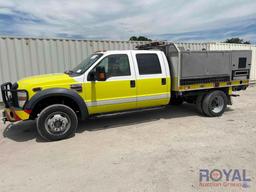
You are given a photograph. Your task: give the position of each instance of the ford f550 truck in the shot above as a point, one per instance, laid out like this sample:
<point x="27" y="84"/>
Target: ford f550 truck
<point x="156" y="74"/>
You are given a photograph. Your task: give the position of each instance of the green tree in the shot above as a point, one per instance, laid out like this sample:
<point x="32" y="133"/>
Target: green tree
<point x="237" y="40"/>
<point x="140" y="38"/>
<point x="133" y="38"/>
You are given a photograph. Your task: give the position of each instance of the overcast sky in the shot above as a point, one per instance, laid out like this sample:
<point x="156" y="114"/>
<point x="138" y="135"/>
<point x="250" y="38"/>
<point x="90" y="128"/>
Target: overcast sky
<point x="177" y="20"/>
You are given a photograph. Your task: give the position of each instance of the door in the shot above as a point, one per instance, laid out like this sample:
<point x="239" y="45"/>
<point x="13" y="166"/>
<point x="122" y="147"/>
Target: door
<point x="118" y="91"/>
<point x="152" y="79"/>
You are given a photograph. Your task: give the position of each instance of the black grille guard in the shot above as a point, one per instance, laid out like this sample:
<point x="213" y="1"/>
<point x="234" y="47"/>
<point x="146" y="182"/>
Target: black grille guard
<point x="9" y="95"/>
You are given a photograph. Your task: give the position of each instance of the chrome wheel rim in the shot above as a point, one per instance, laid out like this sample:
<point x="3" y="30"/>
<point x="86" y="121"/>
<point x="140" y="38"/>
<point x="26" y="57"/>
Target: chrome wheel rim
<point x="217" y="104"/>
<point x="57" y="123"/>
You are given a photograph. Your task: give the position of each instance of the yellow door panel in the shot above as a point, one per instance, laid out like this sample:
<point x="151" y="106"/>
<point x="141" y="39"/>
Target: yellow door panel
<point x="151" y="92"/>
<point x="153" y="103"/>
<point x="108" y="96"/>
<point x="111" y="108"/>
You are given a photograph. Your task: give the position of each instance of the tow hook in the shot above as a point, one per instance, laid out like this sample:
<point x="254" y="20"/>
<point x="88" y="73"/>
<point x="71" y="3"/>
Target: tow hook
<point x="235" y="95"/>
<point x="4" y="118"/>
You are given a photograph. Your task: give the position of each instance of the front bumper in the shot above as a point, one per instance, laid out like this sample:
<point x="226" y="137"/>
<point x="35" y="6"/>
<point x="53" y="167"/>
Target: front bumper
<point x="13" y="115"/>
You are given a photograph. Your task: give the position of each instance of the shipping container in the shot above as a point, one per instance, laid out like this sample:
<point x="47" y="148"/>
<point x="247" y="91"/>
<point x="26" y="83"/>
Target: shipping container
<point x="193" y="46"/>
<point x="21" y="57"/>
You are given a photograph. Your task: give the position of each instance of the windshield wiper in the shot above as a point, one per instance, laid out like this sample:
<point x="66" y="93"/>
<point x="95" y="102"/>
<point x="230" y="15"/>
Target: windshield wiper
<point x="69" y="72"/>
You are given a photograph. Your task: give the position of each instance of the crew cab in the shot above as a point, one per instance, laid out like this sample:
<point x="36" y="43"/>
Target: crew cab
<point x="112" y="81"/>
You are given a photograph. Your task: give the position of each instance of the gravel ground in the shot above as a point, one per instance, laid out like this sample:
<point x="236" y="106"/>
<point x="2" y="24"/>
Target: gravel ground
<point x="153" y="150"/>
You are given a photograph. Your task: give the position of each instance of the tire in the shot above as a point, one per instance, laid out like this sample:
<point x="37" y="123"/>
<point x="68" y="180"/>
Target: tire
<point x="215" y="103"/>
<point x="199" y="104"/>
<point x="57" y="122"/>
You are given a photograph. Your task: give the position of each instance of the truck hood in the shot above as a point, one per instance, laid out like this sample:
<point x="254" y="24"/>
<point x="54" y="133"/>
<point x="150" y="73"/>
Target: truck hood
<point x="48" y="80"/>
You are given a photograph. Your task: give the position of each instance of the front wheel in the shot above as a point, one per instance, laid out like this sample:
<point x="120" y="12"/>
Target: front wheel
<point x="57" y="122"/>
<point x="214" y="103"/>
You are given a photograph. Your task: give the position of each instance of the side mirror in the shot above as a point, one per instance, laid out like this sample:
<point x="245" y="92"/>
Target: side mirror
<point x="91" y="76"/>
<point x="101" y="74"/>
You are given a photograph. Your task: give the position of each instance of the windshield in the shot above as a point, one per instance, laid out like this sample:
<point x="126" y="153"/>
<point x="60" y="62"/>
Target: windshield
<point x="86" y="64"/>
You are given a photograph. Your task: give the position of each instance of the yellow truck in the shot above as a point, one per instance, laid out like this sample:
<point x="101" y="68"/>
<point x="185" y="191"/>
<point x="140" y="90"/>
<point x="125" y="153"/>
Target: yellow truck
<point x="156" y="74"/>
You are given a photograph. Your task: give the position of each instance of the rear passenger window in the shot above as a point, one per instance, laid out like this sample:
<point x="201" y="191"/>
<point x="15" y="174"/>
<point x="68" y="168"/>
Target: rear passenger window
<point x="148" y="64"/>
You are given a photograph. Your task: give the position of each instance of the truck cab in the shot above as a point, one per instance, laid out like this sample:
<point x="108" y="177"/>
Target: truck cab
<point x="105" y="82"/>
<point x="123" y="80"/>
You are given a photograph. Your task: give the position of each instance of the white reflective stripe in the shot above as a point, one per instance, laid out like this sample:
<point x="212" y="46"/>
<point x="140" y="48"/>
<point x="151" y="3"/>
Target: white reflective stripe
<point x="127" y="100"/>
<point x="154" y="97"/>
<point x="111" y="101"/>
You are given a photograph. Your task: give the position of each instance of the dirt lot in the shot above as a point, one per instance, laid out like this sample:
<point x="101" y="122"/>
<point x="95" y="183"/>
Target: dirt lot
<point x="155" y="150"/>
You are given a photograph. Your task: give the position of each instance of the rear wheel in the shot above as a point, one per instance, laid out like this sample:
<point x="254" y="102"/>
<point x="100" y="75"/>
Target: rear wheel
<point x="214" y="103"/>
<point x="199" y="104"/>
<point x="57" y="122"/>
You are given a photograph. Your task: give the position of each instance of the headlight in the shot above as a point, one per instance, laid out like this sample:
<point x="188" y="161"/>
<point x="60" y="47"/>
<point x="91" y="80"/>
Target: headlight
<point x="22" y="98"/>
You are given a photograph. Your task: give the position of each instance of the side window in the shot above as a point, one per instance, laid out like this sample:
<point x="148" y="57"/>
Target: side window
<point x="242" y="62"/>
<point x="148" y="64"/>
<point x="116" y="65"/>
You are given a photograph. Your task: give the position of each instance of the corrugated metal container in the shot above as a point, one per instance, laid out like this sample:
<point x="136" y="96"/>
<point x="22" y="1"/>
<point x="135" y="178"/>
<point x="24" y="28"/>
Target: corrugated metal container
<point x="194" y="46"/>
<point x="21" y="57"/>
<point x="253" y="66"/>
<point x="230" y="46"/>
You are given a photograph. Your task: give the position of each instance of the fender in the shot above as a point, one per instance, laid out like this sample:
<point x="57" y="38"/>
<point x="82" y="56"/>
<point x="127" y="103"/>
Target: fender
<point x="53" y="92"/>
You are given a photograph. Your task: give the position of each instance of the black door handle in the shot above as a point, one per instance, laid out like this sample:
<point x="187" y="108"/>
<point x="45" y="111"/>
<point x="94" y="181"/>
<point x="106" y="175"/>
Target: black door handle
<point x="163" y="81"/>
<point x="132" y="83"/>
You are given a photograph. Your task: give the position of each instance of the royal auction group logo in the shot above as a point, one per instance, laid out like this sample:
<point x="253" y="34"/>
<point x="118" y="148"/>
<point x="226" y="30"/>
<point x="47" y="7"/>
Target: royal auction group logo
<point x="224" y="178"/>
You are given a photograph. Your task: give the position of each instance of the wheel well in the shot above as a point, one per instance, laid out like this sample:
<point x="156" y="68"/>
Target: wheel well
<point x="191" y="96"/>
<point x="42" y="104"/>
